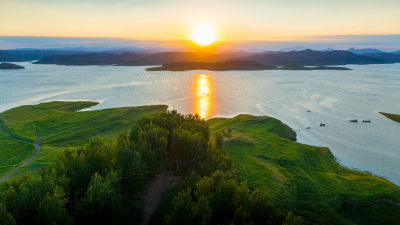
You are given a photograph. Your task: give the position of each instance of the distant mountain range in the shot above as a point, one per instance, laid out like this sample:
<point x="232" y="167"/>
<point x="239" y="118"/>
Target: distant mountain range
<point x="365" y="51"/>
<point x="304" y="58"/>
<point x="7" y="57"/>
<point x="32" y="54"/>
<point x="385" y="57"/>
<point x="276" y="58"/>
<point x="133" y="58"/>
<point x="313" y="58"/>
<point x="396" y="52"/>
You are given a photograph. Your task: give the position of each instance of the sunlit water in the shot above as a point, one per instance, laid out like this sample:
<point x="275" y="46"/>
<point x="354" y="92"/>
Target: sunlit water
<point x="332" y="97"/>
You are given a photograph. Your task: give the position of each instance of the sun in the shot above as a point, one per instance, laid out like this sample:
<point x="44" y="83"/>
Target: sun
<point x="203" y="35"/>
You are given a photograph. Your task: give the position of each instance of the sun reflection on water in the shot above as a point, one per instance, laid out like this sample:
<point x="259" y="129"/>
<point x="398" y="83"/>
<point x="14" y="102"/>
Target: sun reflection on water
<point x="203" y="102"/>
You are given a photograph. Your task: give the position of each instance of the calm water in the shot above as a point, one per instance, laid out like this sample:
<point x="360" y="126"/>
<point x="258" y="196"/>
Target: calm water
<point x="332" y="97"/>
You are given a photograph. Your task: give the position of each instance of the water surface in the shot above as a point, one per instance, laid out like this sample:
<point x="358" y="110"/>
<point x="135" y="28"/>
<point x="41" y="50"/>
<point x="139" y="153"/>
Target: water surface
<point x="332" y="97"/>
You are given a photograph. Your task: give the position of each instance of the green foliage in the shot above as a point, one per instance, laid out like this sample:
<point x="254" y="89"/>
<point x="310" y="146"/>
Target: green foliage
<point x="186" y="139"/>
<point x="12" y="152"/>
<point x="188" y="150"/>
<point x="393" y="117"/>
<point x="219" y="199"/>
<point x="102" y="203"/>
<point x="262" y="210"/>
<point x="151" y="141"/>
<point x="292" y="219"/>
<point x="131" y="167"/>
<point x="79" y="165"/>
<point x="301" y="178"/>
<point x="60" y="125"/>
<point x="37" y="201"/>
<point x="52" y="209"/>
<point x="101" y="182"/>
<point x="73" y="190"/>
<point x="186" y="211"/>
<point x="5" y="217"/>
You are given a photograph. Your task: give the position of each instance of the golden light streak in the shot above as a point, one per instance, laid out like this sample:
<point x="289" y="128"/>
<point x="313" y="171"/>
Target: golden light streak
<point x="203" y="102"/>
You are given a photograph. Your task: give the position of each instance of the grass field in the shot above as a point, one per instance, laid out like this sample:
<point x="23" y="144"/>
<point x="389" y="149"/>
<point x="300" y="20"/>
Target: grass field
<point x="393" y="117"/>
<point x="303" y="178"/>
<point x="60" y="125"/>
<point x="12" y="153"/>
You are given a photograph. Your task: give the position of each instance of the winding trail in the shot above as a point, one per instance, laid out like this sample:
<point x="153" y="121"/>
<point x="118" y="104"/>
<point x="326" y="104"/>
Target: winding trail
<point x="155" y="188"/>
<point x="27" y="161"/>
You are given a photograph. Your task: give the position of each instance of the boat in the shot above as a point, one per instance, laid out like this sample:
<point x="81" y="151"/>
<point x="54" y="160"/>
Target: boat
<point x="366" y="121"/>
<point x="321" y="124"/>
<point x="354" y="121"/>
<point x="308" y="128"/>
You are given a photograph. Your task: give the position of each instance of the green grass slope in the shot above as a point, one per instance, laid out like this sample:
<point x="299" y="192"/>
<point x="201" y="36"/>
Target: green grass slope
<point x="12" y="153"/>
<point x="393" y="117"/>
<point x="60" y="125"/>
<point x="303" y="178"/>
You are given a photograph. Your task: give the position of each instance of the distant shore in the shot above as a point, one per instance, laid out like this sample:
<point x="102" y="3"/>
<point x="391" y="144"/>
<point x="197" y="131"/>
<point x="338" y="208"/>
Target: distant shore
<point x="10" y="66"/>
<point x="234" y="65"/>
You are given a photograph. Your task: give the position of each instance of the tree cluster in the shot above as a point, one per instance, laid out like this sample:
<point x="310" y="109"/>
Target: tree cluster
<point x="102" y="183"/>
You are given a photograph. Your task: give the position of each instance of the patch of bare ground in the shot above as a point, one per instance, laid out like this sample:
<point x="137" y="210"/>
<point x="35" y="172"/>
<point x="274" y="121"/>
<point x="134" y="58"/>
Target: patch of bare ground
<point x="155" y="188"/>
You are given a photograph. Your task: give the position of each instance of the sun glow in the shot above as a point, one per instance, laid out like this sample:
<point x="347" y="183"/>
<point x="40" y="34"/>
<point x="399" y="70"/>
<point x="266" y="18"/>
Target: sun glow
<point x="203" y="104"/>
<point x="203" y="35"/>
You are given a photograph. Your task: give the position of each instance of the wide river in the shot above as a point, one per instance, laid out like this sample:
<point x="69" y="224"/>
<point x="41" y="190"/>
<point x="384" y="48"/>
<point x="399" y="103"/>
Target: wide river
<point x="300" y="99"/>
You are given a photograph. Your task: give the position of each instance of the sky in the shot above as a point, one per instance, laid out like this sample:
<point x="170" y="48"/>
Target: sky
<point x="173" y="20"/>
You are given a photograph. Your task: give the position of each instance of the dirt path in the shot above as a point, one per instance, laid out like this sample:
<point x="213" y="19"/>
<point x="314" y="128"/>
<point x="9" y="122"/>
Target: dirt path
<point x="155" y="189"/>
<point x="27" y="161"/>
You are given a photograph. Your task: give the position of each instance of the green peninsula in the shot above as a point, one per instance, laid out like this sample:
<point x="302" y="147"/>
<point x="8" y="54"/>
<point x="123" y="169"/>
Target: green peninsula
<point x="93" y="149"/>
<point x="303" y="178"/>
<point x="393" y="117"/>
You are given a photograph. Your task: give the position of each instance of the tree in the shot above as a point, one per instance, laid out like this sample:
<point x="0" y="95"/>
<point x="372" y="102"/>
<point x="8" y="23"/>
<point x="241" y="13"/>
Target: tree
<point x="131" y="168"/>
<point x="219" y="141"/>
<point x="103" y="202"/>
<point x="5" y="217"/>
<point x="188" y="150"/>
<point x="262" y="210"/>
<point x="225" y="196"/>
<point x="78" y="166"/>
<point x="52" y="209"/>
<point x="151" y="141"/>
<point x="22" y="197"/>
<point x="181" y="209"/>
<point x="292" y="219"/>
<point x="220" y="199"/>
<point x="185" y="210"/>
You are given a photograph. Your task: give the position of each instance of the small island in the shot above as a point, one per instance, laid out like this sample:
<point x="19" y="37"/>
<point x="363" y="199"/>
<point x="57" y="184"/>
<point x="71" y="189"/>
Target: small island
<point x="233" y="65"/>
<point x="393" y="117"/>
<point x="10" y="66"/>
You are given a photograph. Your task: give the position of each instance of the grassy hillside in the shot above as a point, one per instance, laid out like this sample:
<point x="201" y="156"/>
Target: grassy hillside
<point x="393" y="117"/>
<point x="303" y="178"/>
<point x="59" y="125"/>
<point x="12" y="152"/>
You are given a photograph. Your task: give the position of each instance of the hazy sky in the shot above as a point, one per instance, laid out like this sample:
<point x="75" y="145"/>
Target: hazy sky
<point x="233" y="20"/>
